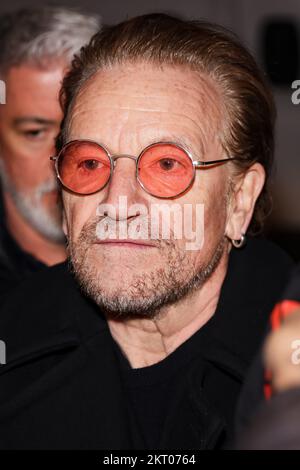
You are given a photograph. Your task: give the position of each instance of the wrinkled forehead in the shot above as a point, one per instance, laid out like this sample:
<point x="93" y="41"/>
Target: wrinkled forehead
<point x="169" y="98"/>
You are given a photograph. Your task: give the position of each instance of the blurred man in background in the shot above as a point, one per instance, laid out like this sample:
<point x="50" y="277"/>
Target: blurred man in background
<point x="37" y="46"/>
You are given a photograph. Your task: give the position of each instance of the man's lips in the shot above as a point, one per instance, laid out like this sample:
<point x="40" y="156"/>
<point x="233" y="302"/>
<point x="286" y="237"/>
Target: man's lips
<point x="127" y="243"/>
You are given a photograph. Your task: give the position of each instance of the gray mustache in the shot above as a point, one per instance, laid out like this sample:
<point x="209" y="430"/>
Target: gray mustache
<point x="104" y="228"/>
<point x="122" y="229"/>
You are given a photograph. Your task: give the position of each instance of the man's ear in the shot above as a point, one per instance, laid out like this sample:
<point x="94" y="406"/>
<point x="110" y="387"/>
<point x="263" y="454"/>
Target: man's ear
<point x="243" y="199"/>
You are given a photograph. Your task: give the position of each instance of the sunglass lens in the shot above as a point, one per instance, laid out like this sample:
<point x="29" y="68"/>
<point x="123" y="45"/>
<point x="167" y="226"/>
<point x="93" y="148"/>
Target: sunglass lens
<point x="83" y="167"/>
<point x="165" y="170"/>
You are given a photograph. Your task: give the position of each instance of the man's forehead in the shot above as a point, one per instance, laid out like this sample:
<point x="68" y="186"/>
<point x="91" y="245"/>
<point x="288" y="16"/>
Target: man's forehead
<point x="154" y="87"/>
<point x="149" y="96"/>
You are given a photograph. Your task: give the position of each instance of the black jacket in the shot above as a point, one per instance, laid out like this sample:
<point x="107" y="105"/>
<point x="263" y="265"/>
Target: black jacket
<point x="61" y="387"/>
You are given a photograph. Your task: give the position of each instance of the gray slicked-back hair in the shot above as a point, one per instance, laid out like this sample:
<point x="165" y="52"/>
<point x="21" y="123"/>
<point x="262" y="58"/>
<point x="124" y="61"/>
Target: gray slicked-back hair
<point x="40" y="35"/>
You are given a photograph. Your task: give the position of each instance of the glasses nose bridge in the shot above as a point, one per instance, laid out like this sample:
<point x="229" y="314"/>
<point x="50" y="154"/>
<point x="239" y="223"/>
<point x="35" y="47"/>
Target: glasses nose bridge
<point x="114" y="158"/>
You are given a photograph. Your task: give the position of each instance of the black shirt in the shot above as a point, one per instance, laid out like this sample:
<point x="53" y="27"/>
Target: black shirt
<point x="150" y="388"/>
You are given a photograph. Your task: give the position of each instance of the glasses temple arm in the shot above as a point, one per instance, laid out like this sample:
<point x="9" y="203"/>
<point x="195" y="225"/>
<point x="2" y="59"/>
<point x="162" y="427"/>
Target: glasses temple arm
<point x="198" y="164"/>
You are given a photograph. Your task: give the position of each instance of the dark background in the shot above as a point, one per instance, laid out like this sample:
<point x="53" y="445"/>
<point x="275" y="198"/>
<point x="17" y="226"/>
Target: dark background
<point x="271" y="30"/>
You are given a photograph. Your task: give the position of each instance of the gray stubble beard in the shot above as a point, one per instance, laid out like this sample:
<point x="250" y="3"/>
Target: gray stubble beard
<point x="148" y="293"/>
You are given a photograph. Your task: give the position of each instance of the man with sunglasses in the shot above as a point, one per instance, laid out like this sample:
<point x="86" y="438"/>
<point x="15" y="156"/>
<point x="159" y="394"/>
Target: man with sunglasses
<point x="37" y="46"/>
<point x="163" y="158"/>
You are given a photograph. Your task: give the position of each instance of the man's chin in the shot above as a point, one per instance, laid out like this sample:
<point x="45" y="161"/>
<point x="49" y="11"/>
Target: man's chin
<point x="138" y="286"/>
<point x="118" y="264"/>
<point x="125" y="293"/>
<point x="114" y="280"/>
<point x="123" y="304"/>
<point x="120" y="292"/>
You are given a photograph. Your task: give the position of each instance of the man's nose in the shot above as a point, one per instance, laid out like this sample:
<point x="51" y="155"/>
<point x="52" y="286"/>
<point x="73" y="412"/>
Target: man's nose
<point x="123" y="188"/>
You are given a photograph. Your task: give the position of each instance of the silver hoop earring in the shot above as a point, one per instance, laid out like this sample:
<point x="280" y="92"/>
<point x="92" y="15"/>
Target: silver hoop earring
<point x="241" y="242"/>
